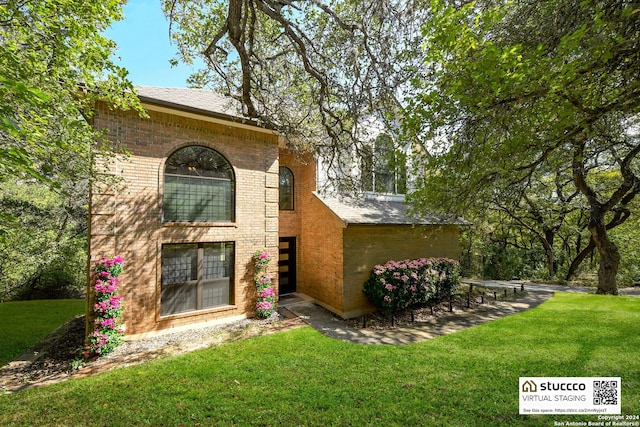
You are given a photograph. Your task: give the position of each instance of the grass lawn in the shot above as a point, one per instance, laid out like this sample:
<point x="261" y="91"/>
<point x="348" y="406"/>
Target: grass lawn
<point x="24" y="323"/>
<point x="301" y="377"/>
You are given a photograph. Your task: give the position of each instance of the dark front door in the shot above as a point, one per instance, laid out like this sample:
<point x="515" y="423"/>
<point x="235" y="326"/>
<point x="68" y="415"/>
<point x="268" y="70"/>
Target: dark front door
<point x="287" y="265"/>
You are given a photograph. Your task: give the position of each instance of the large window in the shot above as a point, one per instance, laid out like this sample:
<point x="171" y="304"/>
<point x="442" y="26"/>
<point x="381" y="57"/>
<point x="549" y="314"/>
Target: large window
<point x="383" y="168"/>
<point x="286" y="189"/>
<point x="196" y="276"/>
<point x="198" y="186"/>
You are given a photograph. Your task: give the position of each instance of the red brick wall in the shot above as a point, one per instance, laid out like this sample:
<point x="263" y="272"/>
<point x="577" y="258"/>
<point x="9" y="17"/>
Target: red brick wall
<point x="318" y="233"/>
<point x="322" y="265"/>
<point x="126" y="219"/>
<point x="303" y="168"/>
<point x="368" y="245"/>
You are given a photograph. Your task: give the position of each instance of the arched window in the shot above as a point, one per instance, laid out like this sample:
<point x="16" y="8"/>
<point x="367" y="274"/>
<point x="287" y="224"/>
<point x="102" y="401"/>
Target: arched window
<point x="286" y="189"/>
<point x="198" y="186"/>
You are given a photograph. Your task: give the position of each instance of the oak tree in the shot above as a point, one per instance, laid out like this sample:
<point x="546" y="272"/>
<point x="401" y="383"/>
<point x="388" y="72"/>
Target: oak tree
<point x="317" y="71"/>
<point x="514" y="88"/>
<point x="54" y="62"/>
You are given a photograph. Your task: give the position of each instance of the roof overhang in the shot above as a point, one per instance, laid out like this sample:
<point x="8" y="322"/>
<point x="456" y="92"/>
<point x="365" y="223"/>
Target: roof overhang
<point x="371" y="212"/>
<point x="159" y="106"/>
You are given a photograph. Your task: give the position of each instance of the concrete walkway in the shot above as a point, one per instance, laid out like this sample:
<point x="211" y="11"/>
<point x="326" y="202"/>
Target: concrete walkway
<point x="545" y="288"/>
<point x="331" y="326"/>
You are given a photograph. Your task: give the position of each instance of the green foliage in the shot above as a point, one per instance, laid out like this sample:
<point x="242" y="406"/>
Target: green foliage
<point x="43" y="255"/>
<point x="24" y="323"/>
<point x="494" y="248"/>
<point x="497" y="103"/>
<point x="301" y="377"/>
<point x="398" y="285"/>
<point x="512" y="94"/>
<point x="54" y="63"/>
<point x="627" y="237"/>
<point x="315" y="71"/>
<point x="503" y="263"/>
<point x="63" y="277"/>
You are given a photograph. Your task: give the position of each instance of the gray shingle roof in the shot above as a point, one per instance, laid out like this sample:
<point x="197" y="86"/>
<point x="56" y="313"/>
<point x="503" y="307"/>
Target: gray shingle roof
<point x="201" y="101"/>
<point x="370" y="212"/>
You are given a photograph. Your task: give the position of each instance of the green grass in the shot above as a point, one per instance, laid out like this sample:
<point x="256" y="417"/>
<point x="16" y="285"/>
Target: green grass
<point x="24" y="323"/>
<point x="301" y="377"/>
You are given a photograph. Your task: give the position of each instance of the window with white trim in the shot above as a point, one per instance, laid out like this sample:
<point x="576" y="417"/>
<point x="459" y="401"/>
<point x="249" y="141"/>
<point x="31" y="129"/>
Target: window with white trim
<point x="383" y="168"/>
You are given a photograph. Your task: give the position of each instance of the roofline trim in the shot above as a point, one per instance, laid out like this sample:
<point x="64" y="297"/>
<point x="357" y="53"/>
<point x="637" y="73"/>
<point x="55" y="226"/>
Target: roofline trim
<point x="335" y="214"/>
<point x="198" y="114"/>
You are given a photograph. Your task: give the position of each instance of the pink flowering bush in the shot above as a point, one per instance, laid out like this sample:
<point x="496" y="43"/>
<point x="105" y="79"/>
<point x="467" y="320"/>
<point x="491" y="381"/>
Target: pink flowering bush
<point x="265" y="295"/>
<point x="261" y="260"/>
<point x="107" y="327"/>
<point x="398" y="285"/>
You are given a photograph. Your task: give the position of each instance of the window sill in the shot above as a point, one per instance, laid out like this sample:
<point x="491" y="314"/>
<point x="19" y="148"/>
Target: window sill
<point x="199" y="224"/>
<point x="204" y="311"/>
<point x="384" y="197"/>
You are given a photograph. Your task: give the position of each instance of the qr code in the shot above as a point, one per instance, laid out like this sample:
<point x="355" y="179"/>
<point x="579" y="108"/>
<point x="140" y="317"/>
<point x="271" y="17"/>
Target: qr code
<point x="605" y="392"/>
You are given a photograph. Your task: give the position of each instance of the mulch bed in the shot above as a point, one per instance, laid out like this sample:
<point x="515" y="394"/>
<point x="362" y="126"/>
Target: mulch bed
<point x="380" y="321"/>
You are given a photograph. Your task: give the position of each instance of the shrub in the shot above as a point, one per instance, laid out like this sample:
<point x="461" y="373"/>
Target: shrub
<point x="448" y="280"/>
<point x="107" y="328"/>
<point x="398" y="285"/>
<point x="265" y="295"/>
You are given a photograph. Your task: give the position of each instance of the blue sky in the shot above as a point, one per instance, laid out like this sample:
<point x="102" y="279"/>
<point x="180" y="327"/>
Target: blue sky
<point x="144" y="47"/>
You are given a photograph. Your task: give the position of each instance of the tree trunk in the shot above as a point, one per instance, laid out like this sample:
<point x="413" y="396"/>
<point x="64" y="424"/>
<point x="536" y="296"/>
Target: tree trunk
<point x="547" y="243"/>
<point x="582" y="255"/>
<point x="608" y="252"/>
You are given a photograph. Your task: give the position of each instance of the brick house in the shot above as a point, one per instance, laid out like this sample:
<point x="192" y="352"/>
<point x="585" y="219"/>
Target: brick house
<point x="204" y="188"/>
